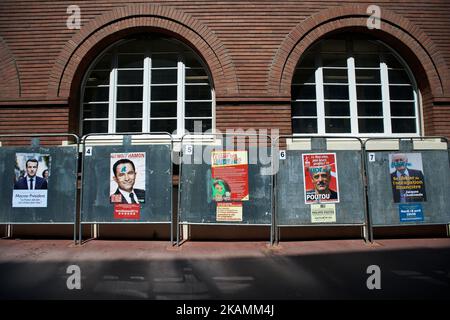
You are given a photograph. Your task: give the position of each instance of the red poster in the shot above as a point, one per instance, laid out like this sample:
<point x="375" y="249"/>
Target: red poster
<point x="321" y="178"/>
<point x="127" y="211"/>
<point x="229" y="175"/>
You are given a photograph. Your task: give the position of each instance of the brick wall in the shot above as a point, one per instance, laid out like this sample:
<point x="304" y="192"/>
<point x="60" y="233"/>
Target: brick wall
<point x="250" y="47"/>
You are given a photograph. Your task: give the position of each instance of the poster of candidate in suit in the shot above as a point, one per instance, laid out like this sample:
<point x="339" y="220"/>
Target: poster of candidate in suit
<point x="321" y="177"/>
<point x="407" y="179"/>
<point x="31" y="178"/>
<point x="127" y="184"/>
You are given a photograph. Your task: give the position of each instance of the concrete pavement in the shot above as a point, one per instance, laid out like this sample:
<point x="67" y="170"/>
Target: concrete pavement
<point x="409" y="269"/>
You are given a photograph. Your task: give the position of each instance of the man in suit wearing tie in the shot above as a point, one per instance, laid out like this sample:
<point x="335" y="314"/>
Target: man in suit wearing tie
<point x="31" y="181"/>
<point x="408" y="185"/>
<point x="125" y="176"/>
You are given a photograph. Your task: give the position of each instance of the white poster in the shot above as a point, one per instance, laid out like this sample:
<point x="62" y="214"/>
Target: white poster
<point x="31" y="179"/>
<point x="127" y="182"/>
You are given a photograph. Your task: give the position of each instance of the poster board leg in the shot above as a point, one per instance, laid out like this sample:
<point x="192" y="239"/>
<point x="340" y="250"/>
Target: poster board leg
<point x="277" y="238"/>
<point x="178" y="234"/>
<point x="75" y="233"/>
<point x="185" y="232"/>
<point x="368" y="234"/>
<point x="80" y="235"/>
<point x="365" y="233"/>
<point x="7" y="232"/>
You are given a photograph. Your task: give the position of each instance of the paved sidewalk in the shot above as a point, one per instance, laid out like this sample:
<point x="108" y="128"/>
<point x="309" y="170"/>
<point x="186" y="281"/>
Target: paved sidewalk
<point x="410" y="268"/>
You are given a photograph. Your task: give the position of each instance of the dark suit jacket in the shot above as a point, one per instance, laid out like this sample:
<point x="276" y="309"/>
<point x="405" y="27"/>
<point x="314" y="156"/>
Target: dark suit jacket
<point x="140" y="194"/>
<point x="411" y="173"/>
<point x="39" y="183"/>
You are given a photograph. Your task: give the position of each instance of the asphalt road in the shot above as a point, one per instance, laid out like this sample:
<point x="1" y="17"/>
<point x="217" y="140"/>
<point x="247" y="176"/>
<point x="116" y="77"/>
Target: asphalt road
<point x="311" y="270"/>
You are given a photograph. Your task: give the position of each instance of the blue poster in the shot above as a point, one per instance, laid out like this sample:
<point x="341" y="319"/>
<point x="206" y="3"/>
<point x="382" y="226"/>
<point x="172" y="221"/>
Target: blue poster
<point x="410" y="212"/>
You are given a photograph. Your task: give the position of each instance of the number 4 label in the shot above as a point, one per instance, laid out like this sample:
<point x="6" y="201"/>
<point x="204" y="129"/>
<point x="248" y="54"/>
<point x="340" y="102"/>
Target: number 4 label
<point x="88" y="151"/>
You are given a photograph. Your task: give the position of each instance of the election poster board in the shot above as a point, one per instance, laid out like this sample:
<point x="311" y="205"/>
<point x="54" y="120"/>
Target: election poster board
<point x="320" y="174"/>
<point x="407" y="178"/>
<point x="31" y="178"/>
<point x="229" y="171"/>
<point x="127" y="184"/>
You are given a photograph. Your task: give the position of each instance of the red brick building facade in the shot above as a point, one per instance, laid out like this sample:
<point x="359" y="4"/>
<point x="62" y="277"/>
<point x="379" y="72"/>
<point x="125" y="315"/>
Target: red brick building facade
<point x="250" y="48"/>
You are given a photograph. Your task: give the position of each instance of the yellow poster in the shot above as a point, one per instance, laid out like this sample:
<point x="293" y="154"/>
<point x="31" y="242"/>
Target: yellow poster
<point x="229" y="211"/>
<point x="323" y="213"/>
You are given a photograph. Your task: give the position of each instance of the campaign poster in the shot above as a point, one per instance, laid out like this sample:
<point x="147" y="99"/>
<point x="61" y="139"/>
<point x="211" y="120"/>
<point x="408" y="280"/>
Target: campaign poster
<point x="229" y="211"/>
<point x="321" y="177"/>
<point x="410" y="212"/>
<point x="127" y="211"/>
<point x="323" y="213"/>
<point x="229" y="170"/>
<point x="127" y="182"/>
<point x="407" y="179"/>
<point x="31" y="179"/>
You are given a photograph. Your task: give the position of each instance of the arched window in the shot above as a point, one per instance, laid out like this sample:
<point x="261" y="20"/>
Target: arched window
<point x="347" y="85"/>
<point x="150" y="84"/>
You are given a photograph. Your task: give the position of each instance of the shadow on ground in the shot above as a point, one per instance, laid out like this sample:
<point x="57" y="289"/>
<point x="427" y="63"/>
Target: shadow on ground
<point x="405" y="274"/>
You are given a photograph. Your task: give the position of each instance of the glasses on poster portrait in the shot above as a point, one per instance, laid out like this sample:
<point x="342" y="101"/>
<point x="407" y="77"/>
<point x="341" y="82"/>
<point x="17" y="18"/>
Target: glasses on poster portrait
<point x="400" y="162"/>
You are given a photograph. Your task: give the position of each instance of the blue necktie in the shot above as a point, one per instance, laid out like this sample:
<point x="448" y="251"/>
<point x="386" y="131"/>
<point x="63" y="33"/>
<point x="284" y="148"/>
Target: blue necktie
<point x="31" y="183"/>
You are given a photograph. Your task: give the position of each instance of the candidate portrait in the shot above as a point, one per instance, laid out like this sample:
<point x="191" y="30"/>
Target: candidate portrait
<point x="124" y="175"/>
<point x="30" y="181"/>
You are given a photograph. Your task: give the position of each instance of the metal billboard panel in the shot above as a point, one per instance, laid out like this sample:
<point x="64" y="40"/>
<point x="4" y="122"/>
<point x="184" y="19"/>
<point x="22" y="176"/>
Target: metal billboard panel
<point x="96" y="191"/>
<point x="196" y="200"/>
<point x="290" y="197"/>
<point x="60" y="194"/>
<point x="385" y="212"/>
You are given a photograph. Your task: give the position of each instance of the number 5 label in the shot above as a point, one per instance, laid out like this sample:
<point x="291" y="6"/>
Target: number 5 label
<point x="188" y="149"/>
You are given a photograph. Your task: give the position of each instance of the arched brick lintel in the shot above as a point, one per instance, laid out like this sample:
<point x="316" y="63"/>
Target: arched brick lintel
<point x="9" y="74"/>
<point x="413" y="45"/>
<point x="120" y="22"/>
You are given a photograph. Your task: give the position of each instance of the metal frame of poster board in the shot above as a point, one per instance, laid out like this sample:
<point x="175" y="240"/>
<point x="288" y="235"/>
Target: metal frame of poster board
<point x="112" y="141"/>
<point x="436" y="207"/>
<point x="350" y="211"/>
<point x="36" y="145"/>
<point x="208" y="140"/>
